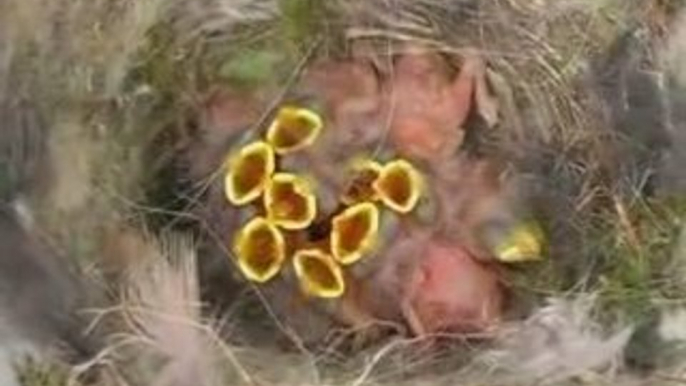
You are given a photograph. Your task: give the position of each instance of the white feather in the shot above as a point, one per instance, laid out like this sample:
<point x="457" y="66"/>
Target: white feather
<point x="558" y="342"/>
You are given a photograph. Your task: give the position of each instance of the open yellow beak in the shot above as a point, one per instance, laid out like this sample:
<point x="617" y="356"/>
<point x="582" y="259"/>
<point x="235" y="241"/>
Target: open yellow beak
<point x="318" y="273"/>
<point x="294" y="129"/>
<point x="361" y="188"/>
<point x="260" y="250"/>
<point x="354" y="232"/>
<point x="290" y="201"/>
<point x="399" y="186"/>
<point x="249" y="172"/>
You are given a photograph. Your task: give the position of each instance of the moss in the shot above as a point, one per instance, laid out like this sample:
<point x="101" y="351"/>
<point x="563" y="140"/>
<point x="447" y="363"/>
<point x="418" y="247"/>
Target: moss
<point x="251" y="67"/>
<point x="301" y="20"/>
<point x="638" y="273"/>
<point x="32" y="372"/>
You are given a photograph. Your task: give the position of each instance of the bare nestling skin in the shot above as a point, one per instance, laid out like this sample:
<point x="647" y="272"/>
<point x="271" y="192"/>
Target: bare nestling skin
<point x="450" y="291"/>
<point x="430" y="108"/>
<point x="431" y="280"/>
<point x="419" y="108"/>
<point x="429" y="284"/>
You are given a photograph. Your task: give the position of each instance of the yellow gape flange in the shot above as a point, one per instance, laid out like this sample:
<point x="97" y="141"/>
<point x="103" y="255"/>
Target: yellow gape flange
<point x="293" y="129"/>
<point x="523" y="242"/>
<point x="318" y="273"/>
<point x="354" y="232"/>
<point x="260" y="250"/>
<point x="361" y="188"/>
<point x="290" y="201"/>
<point x="285" y="219"/>
<point x="248" y="173"/>
<point x="399" y="186"/>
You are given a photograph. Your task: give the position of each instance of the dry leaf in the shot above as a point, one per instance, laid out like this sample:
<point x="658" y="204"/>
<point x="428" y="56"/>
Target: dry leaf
<point x="486" y="103"/>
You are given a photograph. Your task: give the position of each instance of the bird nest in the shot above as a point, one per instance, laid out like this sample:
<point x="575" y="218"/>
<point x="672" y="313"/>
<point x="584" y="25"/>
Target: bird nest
<point x="375" y="191"/>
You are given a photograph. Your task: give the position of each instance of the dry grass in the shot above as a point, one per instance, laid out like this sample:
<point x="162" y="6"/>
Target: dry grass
<point x="101" y="92"/>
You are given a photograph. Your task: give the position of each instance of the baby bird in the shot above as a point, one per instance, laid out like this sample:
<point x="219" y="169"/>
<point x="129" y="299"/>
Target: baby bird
<point x="429" y="285"/>
<point x="429" y="268"/>
<point x="436" y="274"/>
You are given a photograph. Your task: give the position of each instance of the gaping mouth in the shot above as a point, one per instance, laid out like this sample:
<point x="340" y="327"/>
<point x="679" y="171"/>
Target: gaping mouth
<point x="399" y="186"/>
<point x="354" y="232"/>
<point x="318" y="273"/>
<point x="288" y="207"/>
<point x="290" y="202"/>
<point x="249" y="172"/>
<point x="361" y="187"/>
<point x="293" y="129"/>
<point x="260" y="250"/>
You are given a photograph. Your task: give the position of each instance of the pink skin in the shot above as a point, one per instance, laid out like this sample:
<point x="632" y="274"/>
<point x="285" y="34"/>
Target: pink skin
<point x="450" y="292"/>
<point x="467" y="193"/>
<point x="430" y="108"/>
<point x="351" y="94"/>
<point x="433" y="285"/>
<point x="418" y="103"/>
